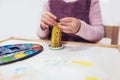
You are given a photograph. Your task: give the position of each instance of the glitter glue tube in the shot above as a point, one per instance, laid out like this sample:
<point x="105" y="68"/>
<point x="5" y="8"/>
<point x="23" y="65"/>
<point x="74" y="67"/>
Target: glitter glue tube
<point x="56" y="36"/>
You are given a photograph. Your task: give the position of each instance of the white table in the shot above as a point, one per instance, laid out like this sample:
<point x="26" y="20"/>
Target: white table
<point x="74" y="62"/>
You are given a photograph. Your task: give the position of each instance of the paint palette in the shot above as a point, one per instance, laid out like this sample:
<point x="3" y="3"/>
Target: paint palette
<point x="16" y="52"/>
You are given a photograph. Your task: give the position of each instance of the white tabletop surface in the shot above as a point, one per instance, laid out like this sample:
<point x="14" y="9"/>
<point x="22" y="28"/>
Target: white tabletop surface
<point x="74" y="62"/>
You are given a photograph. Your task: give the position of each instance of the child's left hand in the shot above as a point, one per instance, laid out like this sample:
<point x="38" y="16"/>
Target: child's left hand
<point x="69" y="25"/>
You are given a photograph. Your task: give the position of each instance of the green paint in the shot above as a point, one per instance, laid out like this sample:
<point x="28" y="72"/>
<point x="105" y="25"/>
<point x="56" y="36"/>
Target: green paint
<point x="6" y="59"/>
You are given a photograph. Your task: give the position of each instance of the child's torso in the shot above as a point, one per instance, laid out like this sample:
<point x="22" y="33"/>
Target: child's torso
<point x="77" y="8"/>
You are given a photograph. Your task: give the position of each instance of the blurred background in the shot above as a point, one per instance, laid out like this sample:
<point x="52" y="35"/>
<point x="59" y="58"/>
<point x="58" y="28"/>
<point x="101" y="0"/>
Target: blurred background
<point x="21" y="18"/>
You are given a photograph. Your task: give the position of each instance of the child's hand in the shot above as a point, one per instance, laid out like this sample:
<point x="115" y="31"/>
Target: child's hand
<point x="47" y="19"/>
<point x="69" y="25"/>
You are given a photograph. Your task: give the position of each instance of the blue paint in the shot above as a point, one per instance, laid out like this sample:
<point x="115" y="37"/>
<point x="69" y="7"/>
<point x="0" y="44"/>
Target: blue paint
<point x="27" y="45"/>
<point x="28" y="52"/>
<point x="8" y="46"/>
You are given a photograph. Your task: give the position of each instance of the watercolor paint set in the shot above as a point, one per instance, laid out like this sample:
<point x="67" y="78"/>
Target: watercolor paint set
<point x="16" y="52"/>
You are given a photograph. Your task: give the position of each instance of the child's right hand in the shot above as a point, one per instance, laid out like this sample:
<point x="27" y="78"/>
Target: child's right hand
<point x="47" y="19"/>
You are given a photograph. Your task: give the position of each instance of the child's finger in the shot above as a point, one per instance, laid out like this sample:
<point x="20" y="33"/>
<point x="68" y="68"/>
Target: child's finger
<point x="64" y="28"/>
<point x="46" y="21"/>
<point x="66" y="19"/>
<point x="44" y="26"/>
<point x="49" y="19"/>
<point x="67" y="31"/>
<point x="51" y="15"/>
<point x="65" y="23"/>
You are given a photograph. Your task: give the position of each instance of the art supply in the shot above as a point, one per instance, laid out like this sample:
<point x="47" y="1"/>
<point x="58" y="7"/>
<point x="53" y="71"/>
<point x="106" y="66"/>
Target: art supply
<point x="56" y="42"/>
<point x="15" y="52"/>
<point x="82" y="63"/>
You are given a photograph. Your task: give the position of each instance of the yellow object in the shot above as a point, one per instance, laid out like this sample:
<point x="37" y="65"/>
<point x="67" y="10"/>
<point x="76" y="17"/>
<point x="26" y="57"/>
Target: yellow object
<point x="91" y="78"/>
<point x="82" y="63"/>
<point x="56" y="36"/>
<point x="20" y="55"/>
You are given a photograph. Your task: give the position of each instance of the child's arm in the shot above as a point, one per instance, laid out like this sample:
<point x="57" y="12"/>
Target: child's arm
<point x="46" y="20"/>
<point x="92" y="32"/>
<point x="95" y="31"/>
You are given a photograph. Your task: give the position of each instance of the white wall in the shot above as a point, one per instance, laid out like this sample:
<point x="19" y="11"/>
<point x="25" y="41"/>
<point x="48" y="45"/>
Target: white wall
<point x="21" y="18"/>
<point x="110" y="12"/>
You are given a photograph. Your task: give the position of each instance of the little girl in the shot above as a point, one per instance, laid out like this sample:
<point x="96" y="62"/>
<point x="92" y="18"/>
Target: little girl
<point x="79" y="20"/>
